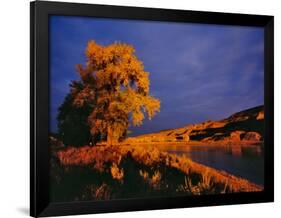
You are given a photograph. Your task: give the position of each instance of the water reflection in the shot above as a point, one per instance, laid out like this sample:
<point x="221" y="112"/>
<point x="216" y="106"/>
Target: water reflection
<point x="243" y="161"/>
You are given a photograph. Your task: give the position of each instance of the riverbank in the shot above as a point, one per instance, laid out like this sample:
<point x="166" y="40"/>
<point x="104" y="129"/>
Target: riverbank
<point x="113" y="172"/>
<point x="193" y="143"/>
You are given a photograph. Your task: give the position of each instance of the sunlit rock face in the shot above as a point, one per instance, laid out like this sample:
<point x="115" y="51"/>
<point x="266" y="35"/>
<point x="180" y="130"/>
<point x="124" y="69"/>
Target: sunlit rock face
<point x="252" y="136"/>
<point x="260" y="115"/>
<point x="244" y="126"/>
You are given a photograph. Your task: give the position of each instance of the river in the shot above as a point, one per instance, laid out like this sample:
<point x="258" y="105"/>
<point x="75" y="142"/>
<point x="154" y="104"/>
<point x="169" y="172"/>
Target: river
<point x="243" y="161"/>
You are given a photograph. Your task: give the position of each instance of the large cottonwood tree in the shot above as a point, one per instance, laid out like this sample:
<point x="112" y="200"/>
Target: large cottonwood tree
<point x="115" y="86"/>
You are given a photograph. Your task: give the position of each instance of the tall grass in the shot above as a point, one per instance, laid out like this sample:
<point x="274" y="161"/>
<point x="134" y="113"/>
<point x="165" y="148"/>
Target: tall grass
<point x="111" y="172"/>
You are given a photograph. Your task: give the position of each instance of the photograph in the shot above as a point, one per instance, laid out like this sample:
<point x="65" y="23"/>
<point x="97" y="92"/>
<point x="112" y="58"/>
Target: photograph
<point x="144" y="109"/>
<point x="140" y="108"/>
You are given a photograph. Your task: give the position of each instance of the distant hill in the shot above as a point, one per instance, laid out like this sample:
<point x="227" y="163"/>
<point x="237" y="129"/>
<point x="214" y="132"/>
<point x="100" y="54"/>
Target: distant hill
<point x="243" y="126"/>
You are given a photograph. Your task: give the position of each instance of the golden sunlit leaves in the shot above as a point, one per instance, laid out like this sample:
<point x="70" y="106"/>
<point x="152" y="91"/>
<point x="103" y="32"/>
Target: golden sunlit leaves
<point x="115" y="84"/>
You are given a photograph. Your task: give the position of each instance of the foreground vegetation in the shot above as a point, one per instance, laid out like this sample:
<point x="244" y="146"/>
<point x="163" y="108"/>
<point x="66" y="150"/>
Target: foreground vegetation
<point x="119" y="171"/>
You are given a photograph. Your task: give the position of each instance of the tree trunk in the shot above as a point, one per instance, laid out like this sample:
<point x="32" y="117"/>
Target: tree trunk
<point x="109" y="136"/>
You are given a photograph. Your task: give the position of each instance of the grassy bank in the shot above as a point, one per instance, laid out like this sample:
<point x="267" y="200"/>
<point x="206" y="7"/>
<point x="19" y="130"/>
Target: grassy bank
<point x="130" y="171"/>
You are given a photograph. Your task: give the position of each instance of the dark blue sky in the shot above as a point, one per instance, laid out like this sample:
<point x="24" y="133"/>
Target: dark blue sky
<point x="198" y="71"/>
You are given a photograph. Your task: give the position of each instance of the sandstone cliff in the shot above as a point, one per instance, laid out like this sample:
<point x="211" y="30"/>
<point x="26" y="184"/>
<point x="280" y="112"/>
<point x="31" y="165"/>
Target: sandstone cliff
<point x="244" y="126"/>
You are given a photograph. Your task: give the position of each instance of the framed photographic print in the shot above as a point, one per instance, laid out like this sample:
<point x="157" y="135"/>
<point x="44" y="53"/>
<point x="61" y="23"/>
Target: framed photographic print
<point x="140" y="109"/>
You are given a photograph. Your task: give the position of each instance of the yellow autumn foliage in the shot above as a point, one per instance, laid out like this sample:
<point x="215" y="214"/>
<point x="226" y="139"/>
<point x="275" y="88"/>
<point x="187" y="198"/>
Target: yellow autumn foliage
<point x="114" y="82"/>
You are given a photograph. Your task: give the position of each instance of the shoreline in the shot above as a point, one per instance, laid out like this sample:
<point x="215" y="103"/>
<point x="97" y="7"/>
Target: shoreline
<point x="108" y="172"/>
<point x="180" y="148"/>
<point x="151" y="157"/>
<point x="194" y="143"/>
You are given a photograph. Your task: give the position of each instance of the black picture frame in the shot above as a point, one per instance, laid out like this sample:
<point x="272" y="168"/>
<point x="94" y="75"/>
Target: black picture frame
<point x="39" y="107"/>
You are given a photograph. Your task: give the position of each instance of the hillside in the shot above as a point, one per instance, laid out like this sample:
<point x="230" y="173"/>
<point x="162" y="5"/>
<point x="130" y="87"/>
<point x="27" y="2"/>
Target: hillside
<point x="244" y="126"/>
